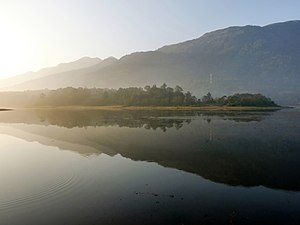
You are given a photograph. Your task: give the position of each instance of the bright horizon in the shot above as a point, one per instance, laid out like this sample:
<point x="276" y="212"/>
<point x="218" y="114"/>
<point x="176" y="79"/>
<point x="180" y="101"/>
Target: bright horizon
<point x="39" y="34"/>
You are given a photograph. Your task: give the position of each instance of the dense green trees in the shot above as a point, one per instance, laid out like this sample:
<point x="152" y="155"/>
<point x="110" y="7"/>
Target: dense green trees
<point x="135" y="96"/>
<point x="132" y="96"/>
<point x="245" y="100"/>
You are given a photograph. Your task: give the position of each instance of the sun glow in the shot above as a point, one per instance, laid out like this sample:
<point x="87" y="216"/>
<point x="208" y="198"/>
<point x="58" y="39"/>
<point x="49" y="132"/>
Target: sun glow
<point x="16" y="48"/>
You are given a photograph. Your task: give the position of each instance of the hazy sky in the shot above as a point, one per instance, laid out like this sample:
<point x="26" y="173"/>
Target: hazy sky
<point x="40" y="33"/>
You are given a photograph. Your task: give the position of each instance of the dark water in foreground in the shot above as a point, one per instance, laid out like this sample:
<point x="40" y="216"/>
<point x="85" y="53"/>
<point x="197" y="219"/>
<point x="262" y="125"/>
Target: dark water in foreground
<point x="136" y="167"/>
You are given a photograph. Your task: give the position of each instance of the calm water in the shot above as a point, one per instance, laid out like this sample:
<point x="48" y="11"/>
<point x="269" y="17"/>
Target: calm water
<point x="136" y="167"/>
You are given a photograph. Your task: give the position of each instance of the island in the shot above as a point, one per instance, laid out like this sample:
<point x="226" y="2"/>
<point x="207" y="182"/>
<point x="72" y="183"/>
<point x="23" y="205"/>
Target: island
<point x="134" y="98"/>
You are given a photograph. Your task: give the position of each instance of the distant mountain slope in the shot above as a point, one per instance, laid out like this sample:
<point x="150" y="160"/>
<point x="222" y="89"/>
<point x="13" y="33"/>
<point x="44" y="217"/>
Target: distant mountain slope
<point x="236" y="59"/>
<point x="63" y="67"/>
<point x="75" y="77"/>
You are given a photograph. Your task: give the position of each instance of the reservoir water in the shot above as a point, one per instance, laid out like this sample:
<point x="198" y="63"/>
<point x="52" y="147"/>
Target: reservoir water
<point x="149" y="167"/>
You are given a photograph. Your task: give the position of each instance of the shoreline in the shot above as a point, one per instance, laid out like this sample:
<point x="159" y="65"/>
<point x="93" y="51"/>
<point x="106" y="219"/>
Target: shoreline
<point x="170" y="108"/>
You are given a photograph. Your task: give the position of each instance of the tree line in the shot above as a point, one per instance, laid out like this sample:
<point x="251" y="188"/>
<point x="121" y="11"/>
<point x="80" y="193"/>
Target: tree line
<point x="132" y="96"/>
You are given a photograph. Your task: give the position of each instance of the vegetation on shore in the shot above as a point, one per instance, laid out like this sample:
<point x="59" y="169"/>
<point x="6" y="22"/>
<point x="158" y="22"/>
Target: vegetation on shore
<point x="133" y="96"/>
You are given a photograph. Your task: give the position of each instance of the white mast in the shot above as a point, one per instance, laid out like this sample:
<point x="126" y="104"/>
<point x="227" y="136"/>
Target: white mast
<point x="210" y="78"/>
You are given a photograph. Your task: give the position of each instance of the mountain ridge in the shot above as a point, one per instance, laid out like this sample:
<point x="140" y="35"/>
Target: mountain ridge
<point x="82" y="62"/>
<point x="260" y="59"/>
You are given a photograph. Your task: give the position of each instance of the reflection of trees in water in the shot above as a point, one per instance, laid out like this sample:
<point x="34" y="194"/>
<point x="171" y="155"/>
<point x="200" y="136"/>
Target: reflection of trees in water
<point x="148" y="119"/>
<point x="164" y="124"/>
<point x="132" y="119"/>
<point x="231" y="116"/>
<point x="140" y="118"/>
<point x="223" y="151"/>
<point x="246" y="116"/>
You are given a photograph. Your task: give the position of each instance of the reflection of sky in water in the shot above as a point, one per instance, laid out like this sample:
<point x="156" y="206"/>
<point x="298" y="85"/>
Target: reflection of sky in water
<point x="150" y="175"/>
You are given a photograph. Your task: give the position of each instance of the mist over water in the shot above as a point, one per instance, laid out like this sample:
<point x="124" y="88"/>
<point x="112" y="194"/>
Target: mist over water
<point x="149" y="167"/>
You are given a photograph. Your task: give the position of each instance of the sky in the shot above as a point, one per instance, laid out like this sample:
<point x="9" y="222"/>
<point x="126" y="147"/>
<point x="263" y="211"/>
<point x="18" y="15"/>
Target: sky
<point x="42" y="33"/>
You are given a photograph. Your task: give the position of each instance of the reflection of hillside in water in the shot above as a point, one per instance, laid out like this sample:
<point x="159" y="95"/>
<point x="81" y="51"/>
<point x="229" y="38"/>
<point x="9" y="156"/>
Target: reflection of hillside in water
<point x="235" y="148"/>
